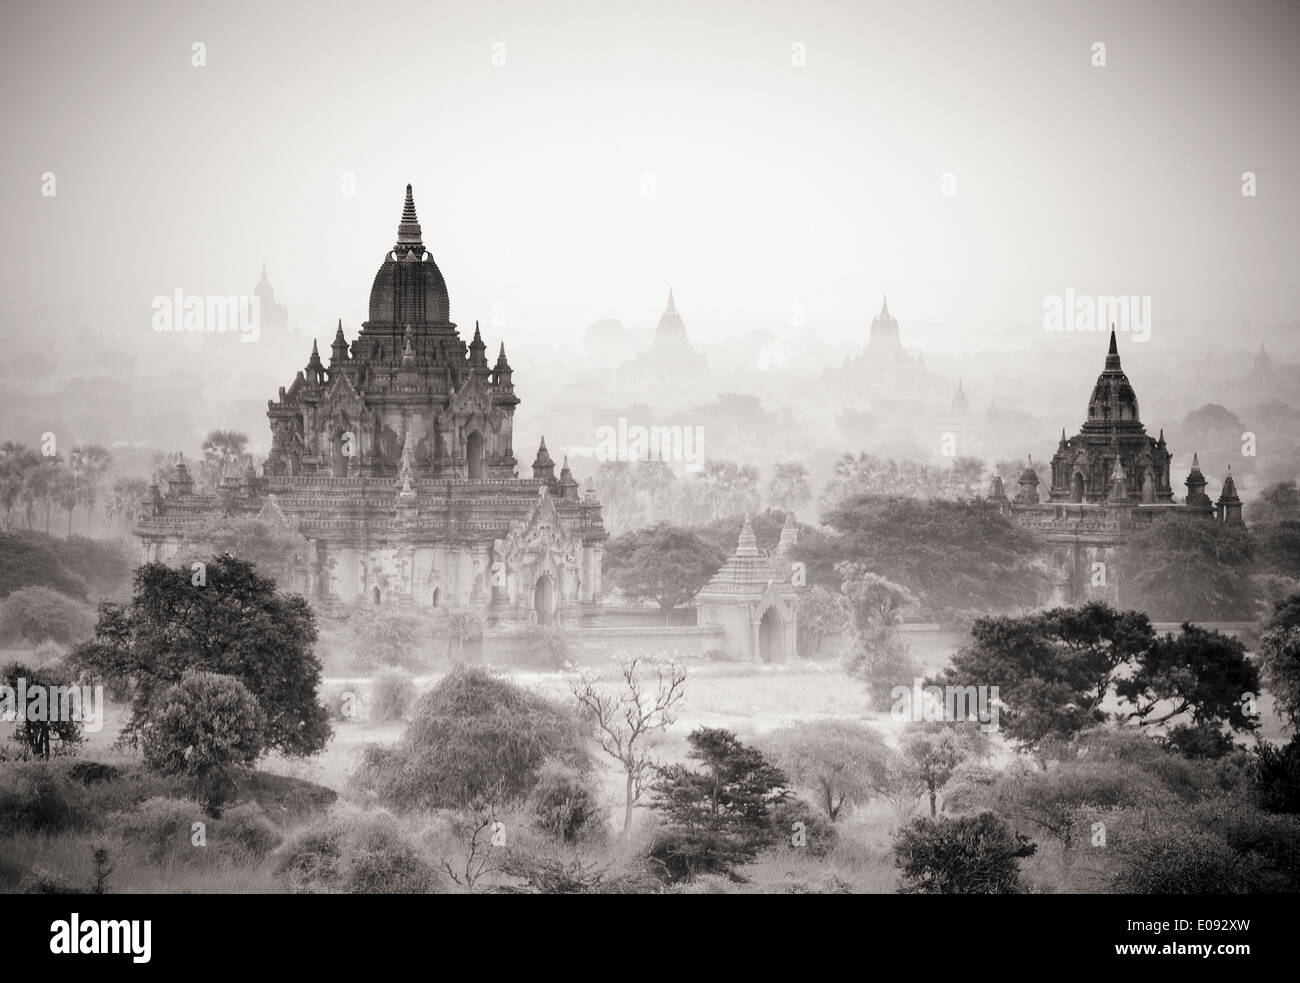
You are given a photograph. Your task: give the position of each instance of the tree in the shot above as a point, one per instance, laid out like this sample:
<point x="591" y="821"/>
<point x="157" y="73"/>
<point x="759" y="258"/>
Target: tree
<point x="1278" y="547"/>
<point x="730" y="488"/>
<point x="475" y="741"/>
<point x="33" y="614"/>
<point x="206" y="727"/>
<point x="820" y="613"/>
<point x="654" y="478"/>
<point x="666" y="564"/>
<point x="235" y="623"/>
<point x="223" y="452"/>
<point x="932" y="751"/>
<point x="88" y="463"/>
<point x="1278" y="502"/>
<point x="124" y="495"/>
<point x="1204" y="673"/>
<point x="956" y="557"/>
<point x="1279" y="652"/>
<point x="458" y="624"/>
<point x="1055" y="669"/>
<point x="276" y="550"/>
<point x="626" y="717"/>
<point x="964" y="855"/>
<point x="879" y="655"/>
<point x="788" y="488"/>
<point x="16" y="460"/>
<point x="718" y="816"/>
<point x="1180" y="567"/>
<point x="841" y="761"/>
<point x="51" y="722"/>
<point x="387" y="636"/>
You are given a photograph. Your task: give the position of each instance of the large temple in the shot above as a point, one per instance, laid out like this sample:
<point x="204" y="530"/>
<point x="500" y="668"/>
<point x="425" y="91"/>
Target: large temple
<point x="1107" y="480"/>
<point x="395" y="461"/>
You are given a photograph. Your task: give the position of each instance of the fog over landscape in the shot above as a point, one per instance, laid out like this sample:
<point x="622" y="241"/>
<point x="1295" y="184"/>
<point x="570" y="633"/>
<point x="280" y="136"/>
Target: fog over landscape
<point x="608" y="447"/>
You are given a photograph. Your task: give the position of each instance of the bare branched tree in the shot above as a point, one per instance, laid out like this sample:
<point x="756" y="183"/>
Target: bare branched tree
<point x="624" y="716"/>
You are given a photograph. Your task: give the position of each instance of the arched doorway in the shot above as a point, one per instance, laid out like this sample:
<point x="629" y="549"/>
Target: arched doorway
<point x="1076" y="488"/>
<point x="769" y="636"/>
<point x="1148" y="487"/>
<point x="544" y="599"/>
<point x="374" y="597"/>
<point x="437" y="596"/>
<point x="474" y="454"/>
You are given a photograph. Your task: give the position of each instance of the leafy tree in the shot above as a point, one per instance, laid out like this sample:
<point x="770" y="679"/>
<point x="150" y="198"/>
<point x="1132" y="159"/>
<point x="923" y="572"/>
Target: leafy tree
<point x="963" y="855"/>
<point x="956" y="557"/>
<point x="224" y="451"/>
<point x="666" y="564"/>
<point x="820" y="613"/>
<point x="718" y="816"/>
<point x="124" y="495"/>
<point x="1279" y="502"/>
<point x="840" y="761"/>
<point x="932" y="751"/>
<point x="1181" y="567"/>
<point x="1279" y="652"/>
<point x="730" y="488"/>
<point x="879" y="655"/>
<point x="1279" y="547"/>
<point x="235" y="624"/>
<point x="1053" y="669"/>
<point x="50" y="723"/>
<point x="205" y="727"/>
<point x="475" y="741"/>
<point x="459" y="624"/>
<point x="277" y="551"/>
<point x="1276" y="776"/>
<point x="628" y="716"/>
<point x="387" y="636"/>
<point x="788" y="488"/>
<point x="1200" y="672"/>
<point x="34" y="614"/>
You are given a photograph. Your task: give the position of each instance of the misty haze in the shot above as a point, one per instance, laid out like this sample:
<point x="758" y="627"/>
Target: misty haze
<point x="649" y="449"/>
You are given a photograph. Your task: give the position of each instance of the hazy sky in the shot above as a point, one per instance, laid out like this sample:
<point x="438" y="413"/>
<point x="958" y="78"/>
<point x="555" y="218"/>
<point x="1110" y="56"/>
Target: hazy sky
<point x="623" y="147"/>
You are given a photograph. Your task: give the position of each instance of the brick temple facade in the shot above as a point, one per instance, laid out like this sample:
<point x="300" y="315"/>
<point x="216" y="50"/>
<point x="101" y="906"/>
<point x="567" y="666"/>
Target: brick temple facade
<point x="396" y="462"/>
<point x="1107" y="481"/>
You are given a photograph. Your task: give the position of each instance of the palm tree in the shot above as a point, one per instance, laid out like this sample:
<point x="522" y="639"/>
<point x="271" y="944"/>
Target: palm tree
<point x="788" y="488"/>
<point x="123" y="497"/>
<point x="222" y="450"/>
<point x="15" y="461"/>
<point x="89" y="463"/>
<point x="41" y="484"/>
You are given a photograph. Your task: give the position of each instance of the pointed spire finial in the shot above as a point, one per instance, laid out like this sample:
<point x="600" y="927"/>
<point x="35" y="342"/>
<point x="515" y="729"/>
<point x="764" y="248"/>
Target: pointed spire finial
<point x="1196" y="461"/>
<point x="884" y="307"/>
<point x="408" y="229"/>
<point x="672" y="304"/>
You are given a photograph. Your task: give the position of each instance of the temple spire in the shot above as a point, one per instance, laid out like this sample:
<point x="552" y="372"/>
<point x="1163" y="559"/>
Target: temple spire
<point x="408" y="229"/>
<point x="884" y="307"/>
<point x="1112" y="356"/>
<point x="672" y="304"/>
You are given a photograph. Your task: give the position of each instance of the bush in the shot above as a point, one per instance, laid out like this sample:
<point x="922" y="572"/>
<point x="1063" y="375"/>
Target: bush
<point x="815" y="837"/>
<point x="35" y="797"/>
<point x="565" y="804"/>
<point x="473" y="739"/>
<point x="39" y="880"/>
<point x="245" y="831"/>
<point x="362" y="853"/>
<point x="93" y="773"/>
<point x="549" y="647"/>
<point x="391" y="695"/>
<point x="35" y="614"/>
<point x="965" y="855"/>
<point x="48" y="653"/>
<point x="341" y="701"/>
<point x="1175" y="858"/>
<point x="161" y="828"/>
<point x="207" y="726"/>
<point x="387" y="636"/>
<point x="58" y="729"/>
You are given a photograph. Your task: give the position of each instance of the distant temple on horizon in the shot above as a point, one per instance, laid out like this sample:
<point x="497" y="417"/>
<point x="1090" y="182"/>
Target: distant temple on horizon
<point x="671" y="371"/>
<point x="395" y="461"/>
<point x="1107" y="480"/>
<point x="883" y="364"/>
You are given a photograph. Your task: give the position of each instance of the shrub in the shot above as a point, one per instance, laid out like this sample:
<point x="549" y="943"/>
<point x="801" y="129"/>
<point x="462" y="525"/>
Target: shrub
<point x="35" y="614"/>
<point x="39" y="880"/>
<point x="473" y="739"/>
<point x="34" y="797"/>
<point x="387" y="636"/>
<point x="391" y="695"/>
<point x="362" y="853"/>
<point x="56" y="730"/>
<point x="548" y="647"/>
<point x="1176" y="858"/>
<point x="798" y="826"/>
<point x="93" y="773"/>
<point x="341" y="701"/>
<point x="207" y="726"/>
<point x="245" y="831"/>
<point x="975" y="854"/>
<point x="161" y="827"/>
<point x="48" y="653"/>
<point x="565" y="804"/>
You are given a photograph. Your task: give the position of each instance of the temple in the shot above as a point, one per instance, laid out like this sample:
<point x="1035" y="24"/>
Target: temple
<point x="1105" y="481"/>
<point x="396" y="462"/>
<point x="753" y="599"/>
